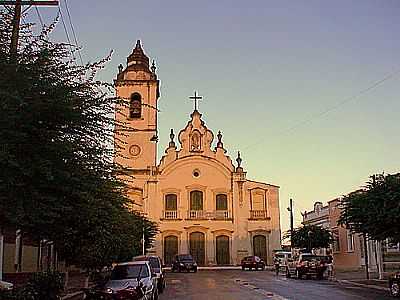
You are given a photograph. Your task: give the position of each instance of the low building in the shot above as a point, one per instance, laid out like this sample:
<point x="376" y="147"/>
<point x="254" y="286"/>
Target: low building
<point x="20" y="256"/>
<point x="348" y="248"/>
<point x="319" y="216"/>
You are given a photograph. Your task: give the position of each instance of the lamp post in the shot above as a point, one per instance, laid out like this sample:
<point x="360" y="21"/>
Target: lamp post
<point x="309" y="241"/>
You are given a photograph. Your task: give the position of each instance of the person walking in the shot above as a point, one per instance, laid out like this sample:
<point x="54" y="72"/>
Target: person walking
<point x="330" y="265"/>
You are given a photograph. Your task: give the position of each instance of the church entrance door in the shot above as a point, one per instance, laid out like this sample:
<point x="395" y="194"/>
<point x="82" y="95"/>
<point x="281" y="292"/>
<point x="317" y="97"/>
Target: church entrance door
<point x="223" y="256"/>
<point x="197" y="247"/>
<point x="170" y="249"/>
<point x="260" y="246"/>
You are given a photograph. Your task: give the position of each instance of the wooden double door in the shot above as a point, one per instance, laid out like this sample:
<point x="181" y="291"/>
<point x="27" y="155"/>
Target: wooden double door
<point x="222" y="250"/>
<point x="170" y="249"/>
<point x="260" y="246"/>
<point x="197" y="247"/>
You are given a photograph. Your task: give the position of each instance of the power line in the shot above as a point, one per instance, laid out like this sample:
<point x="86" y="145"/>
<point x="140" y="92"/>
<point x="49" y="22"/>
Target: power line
<point x="334" y="107"/>
<point x="39" y="16"/>
<point x="66" y="31"/>
<point x="73" y="31"/>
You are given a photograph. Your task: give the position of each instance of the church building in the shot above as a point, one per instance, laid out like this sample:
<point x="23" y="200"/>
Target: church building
<point x="202" y="202"/>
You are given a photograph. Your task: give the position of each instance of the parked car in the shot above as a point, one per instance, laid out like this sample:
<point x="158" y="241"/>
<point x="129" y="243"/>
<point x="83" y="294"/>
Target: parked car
<point x="281" y="259"/>
<point x="156" y="264"/>
<point x="184" y="262"/>
<point x="6" y="286"/>
<point x="306" y="264"/>
<point x="394" y="284"/>
<point x="253" y="262"/>
<point x="128" y="281"/>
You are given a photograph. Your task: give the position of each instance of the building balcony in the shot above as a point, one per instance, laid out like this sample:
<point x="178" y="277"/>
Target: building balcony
<point x="258" y="215"/>
<point x="171" y="215"/>
<point x="209" y="215"/>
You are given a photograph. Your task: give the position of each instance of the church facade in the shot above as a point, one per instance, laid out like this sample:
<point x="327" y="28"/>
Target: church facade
<point x="202" y="202"/>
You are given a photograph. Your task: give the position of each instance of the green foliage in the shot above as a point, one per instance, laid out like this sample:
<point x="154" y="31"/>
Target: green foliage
<point x="57" y="175"/>
<point x="310" y="237"/>
<point x="374" y="209"/>
<point x="42" y="286"/>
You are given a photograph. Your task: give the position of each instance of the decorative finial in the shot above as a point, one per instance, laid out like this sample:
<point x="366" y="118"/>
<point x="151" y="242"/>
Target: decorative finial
<point x="239" y="161"/>
<point x="120" y="68"/>
<point x="153" y="67"/>
<point x="195" y="98"/>
<point x="172" y="136"/>
<point x="219" y="143"/>
<point x="138" y="45"/>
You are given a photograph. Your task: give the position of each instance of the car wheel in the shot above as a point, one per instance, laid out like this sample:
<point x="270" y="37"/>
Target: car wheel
<point x="298" y="274"/>
<point x="195" y="270"/>
<point x="287" y="273"/>
<point x="395" y="289"/>
<point x="263" y="267"/>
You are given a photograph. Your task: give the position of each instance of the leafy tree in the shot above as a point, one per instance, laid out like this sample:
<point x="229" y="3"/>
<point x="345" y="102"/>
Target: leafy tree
<point x="57" y="176"/>
<point x="310" y="237"/>
<point x="375" y="209"/>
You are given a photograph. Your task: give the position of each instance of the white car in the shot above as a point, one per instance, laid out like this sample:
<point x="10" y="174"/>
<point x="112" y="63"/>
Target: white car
<point x="6" y="286"/>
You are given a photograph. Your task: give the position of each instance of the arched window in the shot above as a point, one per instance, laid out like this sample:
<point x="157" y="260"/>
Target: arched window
<point x="221" y="202"/>
<point x="196" y="200"/>
<point x="171" y="202"/>
<point x="135" y="107"/>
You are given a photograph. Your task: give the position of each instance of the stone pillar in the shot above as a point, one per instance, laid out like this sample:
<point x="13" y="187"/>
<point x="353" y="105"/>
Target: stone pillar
<point x="240" y="245"/>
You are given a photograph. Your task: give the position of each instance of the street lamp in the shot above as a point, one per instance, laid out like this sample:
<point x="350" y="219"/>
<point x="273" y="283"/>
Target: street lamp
<point x="309" y="240"/>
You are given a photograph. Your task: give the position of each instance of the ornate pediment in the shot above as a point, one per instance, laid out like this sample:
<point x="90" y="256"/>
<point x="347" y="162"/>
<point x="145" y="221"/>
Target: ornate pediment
<point x="196" y="138"/>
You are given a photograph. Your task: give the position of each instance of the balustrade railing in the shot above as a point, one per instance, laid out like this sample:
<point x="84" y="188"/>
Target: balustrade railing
<point x="208" y="215"/>
<point x="258" y="214"/>
<point x="171" y="214"/>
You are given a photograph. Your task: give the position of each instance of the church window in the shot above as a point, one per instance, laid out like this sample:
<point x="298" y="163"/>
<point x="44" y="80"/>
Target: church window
<point x="196" y="200"/>
<point x="196" y="173"/>
<point x="258" y="202"/>
<point x="350" y="241"/>
<point x="171" y="202"/>
<point x="221" y="202"/>
<point x="135" y="107"/>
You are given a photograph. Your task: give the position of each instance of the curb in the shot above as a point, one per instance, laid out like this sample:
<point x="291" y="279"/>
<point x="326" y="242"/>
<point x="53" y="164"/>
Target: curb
<point x="72" y="295"/>
<point x="375" y="287"/>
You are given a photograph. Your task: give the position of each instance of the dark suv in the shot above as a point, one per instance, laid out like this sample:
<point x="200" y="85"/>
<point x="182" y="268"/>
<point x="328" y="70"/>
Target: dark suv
<point x="156" y="264"/>
<point x="253" y="262"/>
<point x="184" y="262"/>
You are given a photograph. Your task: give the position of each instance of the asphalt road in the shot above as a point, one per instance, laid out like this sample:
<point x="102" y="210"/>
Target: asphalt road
<point x="258" y="285"/>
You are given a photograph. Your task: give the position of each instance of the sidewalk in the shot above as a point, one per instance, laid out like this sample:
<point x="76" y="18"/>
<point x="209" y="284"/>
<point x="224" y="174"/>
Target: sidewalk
<point x="358" y="278"/>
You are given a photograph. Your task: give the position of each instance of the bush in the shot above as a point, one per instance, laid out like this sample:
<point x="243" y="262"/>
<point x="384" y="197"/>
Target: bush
<point x="42" y="286"/>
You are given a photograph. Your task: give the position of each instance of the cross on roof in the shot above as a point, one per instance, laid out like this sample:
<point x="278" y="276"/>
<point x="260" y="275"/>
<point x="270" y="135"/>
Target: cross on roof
<point x="195" y="98"/>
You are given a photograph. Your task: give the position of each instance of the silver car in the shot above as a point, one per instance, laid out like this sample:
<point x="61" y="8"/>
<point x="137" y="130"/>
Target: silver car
<point x="128" y="276"/>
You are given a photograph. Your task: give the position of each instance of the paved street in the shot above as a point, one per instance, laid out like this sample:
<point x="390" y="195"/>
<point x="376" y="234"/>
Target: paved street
<point x="248" y="285"/>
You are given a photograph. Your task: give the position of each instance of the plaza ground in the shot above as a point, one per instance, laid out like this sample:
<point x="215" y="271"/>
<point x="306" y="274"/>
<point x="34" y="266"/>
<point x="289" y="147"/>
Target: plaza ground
<point x="260" y="285"/>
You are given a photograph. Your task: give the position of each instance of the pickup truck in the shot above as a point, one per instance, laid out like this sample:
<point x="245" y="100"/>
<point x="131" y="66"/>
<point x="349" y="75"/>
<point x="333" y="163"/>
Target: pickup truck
<point x="306" y="264"/>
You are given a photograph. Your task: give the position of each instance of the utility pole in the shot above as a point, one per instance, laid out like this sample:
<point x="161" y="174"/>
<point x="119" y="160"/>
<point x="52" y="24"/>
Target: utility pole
<point x="366" y="255"/>
<point x="290" y="209"/>
<point x="17" y="19"/>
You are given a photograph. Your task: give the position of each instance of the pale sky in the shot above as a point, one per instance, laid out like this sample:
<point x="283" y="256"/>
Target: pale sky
<point x="267" y="71"/>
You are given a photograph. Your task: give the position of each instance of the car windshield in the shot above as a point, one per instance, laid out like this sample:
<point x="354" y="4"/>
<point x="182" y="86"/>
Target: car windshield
<point x="308" y="257"/>
<point x="154" y="263"/>
<point x="185" y="257"/>
<point x="129" y="272"/>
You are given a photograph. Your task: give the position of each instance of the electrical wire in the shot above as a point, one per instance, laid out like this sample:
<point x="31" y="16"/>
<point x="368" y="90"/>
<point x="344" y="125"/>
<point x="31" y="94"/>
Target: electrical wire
<point x="333" y="107"/>
<point x="73" y="31"/>
<point x="39" y="16"/>
<point x="66" y="31"/>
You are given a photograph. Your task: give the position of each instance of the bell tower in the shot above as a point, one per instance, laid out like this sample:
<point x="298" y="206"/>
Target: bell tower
<point x="136" y="118"/>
